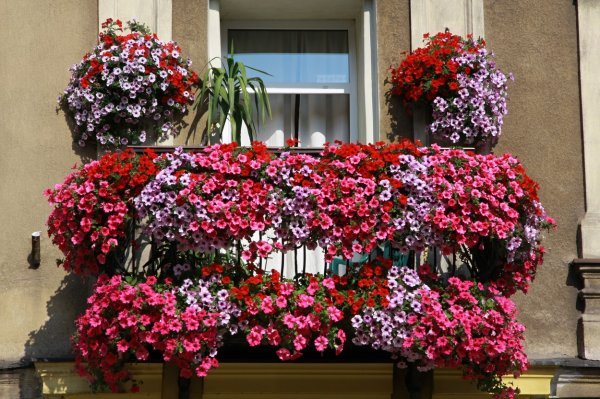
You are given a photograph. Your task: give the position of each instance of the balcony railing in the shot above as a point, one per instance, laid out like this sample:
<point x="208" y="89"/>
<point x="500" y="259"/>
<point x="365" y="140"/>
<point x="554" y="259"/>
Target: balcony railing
<point x="300" y="260"/>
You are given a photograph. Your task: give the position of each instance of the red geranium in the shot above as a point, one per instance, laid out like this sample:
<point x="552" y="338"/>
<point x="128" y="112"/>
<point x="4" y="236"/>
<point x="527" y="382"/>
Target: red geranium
<point x="93" y="206"/>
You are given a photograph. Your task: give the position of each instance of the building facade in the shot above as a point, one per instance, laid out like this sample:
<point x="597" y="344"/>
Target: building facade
<point x="553" y="127"/>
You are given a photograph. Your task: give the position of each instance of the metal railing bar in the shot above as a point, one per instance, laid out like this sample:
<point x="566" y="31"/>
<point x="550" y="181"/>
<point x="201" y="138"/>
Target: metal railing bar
<point x="295" y="262"/>
<point x="282" y="261"/>
<point x="304" y="260"/>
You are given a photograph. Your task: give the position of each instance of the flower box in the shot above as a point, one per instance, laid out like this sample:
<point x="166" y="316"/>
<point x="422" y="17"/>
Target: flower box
<point x="536" y="382"/>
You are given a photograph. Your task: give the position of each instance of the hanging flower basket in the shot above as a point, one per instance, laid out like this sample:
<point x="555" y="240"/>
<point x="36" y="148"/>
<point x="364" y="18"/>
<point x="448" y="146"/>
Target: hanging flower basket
<point x="458" y="80"/>
<point x="130" y="88"/>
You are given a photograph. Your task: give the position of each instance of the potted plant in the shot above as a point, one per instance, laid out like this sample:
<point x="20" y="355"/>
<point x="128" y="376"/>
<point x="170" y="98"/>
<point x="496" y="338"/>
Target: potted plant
<point x="456" y="79"/>
<point x="130" y="88"/>
<point x="231" y="96"/>
<point x="216" y="214"/>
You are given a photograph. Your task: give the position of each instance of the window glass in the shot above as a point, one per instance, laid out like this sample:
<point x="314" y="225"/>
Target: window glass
<point x="294" y="56"/>
<point x="312" y="118"/>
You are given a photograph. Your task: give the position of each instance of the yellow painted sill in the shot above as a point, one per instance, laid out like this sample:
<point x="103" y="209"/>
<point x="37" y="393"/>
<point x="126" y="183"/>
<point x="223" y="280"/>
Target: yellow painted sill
<point x="280" y="380"/>
<point x="536" y="382"/>
<point x="60" y="380"/>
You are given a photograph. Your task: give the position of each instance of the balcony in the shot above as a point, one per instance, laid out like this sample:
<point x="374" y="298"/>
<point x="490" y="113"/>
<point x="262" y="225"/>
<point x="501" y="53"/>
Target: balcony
<point x="367" y="252"/>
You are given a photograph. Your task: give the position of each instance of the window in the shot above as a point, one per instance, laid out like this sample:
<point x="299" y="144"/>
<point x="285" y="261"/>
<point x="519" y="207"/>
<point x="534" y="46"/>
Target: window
<point x="333" y="103"/>
<point x="311" y="77"/>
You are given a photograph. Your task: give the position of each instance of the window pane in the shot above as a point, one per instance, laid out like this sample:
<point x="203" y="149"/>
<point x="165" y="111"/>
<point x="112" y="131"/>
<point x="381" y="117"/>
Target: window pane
<point x="313" y="118"/>
<point x="294" y="56"/>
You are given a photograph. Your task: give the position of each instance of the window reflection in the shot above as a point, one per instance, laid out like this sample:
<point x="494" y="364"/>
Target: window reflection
<point x="294" y="56"/>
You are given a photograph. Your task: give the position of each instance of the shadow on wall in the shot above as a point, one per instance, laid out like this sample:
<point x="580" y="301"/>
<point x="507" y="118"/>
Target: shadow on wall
<point x="193" y="136"/>
<point x="52" y="340"/>
<point x="87" y="153"/>
<point x="401" y="124"/>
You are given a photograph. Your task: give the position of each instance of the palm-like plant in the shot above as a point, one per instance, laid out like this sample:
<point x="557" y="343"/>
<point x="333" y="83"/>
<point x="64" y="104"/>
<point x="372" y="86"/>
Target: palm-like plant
<point x="228" y="92"/>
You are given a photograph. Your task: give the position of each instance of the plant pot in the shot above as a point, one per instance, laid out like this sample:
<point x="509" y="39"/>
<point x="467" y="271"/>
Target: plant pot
<point x="446" y="143"/>
<point x="488" y="260"/>
<point x="422" y="118"/>
<point x="483" y="146"/>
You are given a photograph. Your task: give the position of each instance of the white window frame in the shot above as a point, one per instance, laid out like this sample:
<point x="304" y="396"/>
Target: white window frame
<point x="348" y="88"/>
<point x="365" y="47"/>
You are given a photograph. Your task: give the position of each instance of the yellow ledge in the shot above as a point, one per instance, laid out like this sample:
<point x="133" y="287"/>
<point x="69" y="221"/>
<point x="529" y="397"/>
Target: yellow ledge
<point x="282" y="381"/>
<point x="448" y="384"/>
<point x="60" y="380"/>
<point x="300" y="380"/>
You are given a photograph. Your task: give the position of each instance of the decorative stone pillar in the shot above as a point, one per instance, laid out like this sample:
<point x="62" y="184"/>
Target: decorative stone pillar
<point x="588" y="268"/>
<point x="589" y="323"/>
<point x="156" y="14"/>
<point x="588" y="15"/>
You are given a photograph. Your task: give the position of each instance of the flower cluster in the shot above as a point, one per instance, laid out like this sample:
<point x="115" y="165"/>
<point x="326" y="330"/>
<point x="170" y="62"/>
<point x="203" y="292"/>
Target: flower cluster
<point x="367" y="195"/>
<point x="128" y="87"/>
<point x="206" y="200"/>
<point x="440" y="324"/>
<point x="127" y="322"/>
<point x="460" y="80"/>
<point x="393" y="303"/>
<point x="207" y="315"/>
<point x="454" y="327"/>
<point x="291" y="316"/>
<point x="429" y="72"/>
<point x="488" y="206"/>
<point x="122" y="323"/>
<point x="93" y="206"/>
<point x="218" y="214"/>
<point x="349" y="201"/>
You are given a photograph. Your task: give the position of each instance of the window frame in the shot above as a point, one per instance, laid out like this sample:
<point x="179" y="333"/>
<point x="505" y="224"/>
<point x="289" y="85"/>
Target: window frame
<point x="349" y="88"/>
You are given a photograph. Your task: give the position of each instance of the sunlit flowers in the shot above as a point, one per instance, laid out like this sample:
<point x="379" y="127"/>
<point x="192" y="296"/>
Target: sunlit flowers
<point x="129" y="87"/>
<point x="217" y="216"/>
<point x="459" y="79"/>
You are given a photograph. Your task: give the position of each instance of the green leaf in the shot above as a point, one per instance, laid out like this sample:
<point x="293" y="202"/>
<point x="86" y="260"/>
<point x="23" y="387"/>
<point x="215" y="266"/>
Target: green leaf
<point x="226" y="91"/>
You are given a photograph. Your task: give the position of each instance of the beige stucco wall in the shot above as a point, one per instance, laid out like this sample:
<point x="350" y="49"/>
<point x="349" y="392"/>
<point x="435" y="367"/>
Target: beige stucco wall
<point x="537" y="41"/>
<point x="393" y="38"/>
<point x="40" y="39"/>
<point x="189" y="30"/>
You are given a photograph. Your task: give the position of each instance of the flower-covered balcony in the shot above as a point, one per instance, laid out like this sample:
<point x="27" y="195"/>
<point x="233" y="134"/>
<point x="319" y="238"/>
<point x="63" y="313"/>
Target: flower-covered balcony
<point x="405" y="252"/>
<point x="392" y="252"/>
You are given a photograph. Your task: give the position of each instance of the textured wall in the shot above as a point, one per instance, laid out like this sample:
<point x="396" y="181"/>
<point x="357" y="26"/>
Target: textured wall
<point x="393" y="37"/>
<point x="537" y="41"/>
<point x="40" y="39"/>
<point x="189" y="30"/>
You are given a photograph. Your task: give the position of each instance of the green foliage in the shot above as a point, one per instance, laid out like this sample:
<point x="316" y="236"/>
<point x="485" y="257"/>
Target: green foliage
<point x="227" y="91"/>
